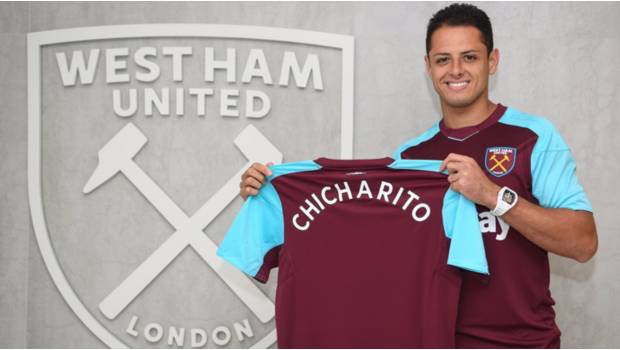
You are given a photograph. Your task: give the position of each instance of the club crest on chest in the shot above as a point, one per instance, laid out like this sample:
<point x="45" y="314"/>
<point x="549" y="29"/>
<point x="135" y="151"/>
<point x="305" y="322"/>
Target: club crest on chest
<point x="499" y="161"/>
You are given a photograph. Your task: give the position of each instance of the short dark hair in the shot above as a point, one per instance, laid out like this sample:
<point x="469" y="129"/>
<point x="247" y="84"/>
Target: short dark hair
<point x="461" y="15"/>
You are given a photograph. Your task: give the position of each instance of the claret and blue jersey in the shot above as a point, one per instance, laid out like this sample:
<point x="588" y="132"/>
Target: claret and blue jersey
<point x="513" y="308"/>
<point x="370" y="252"/>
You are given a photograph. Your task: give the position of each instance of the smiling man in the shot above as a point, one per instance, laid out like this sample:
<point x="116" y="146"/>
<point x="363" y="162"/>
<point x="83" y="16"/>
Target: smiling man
<point x="516" y="168"/>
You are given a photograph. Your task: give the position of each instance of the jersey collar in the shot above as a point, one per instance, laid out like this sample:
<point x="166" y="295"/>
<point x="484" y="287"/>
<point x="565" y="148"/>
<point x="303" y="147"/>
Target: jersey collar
<point x="354" y="164"/>
<point x="462" y="134"/>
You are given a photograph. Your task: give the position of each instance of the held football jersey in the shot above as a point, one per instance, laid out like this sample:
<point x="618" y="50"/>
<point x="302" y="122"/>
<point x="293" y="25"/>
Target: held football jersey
<point x="363" y="251"/>
<point x="513" y="308"/>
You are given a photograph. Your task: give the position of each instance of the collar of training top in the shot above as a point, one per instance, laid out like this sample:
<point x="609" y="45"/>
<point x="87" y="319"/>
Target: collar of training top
<point x="462" y="134"/>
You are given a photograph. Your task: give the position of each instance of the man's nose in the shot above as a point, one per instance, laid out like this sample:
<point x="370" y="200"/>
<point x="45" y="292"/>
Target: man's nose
<point x="456" y="68"/>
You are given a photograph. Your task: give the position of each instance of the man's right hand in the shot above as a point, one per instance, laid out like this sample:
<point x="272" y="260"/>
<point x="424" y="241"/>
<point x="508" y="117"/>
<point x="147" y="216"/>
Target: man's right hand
<point x="253" y="179"/>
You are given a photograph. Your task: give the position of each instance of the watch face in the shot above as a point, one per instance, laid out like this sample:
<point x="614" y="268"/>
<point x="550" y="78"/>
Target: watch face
<point x="508" y="197"/>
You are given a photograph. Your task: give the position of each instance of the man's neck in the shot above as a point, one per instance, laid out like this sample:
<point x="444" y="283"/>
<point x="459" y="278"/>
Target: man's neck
<point x="461" y="117"/>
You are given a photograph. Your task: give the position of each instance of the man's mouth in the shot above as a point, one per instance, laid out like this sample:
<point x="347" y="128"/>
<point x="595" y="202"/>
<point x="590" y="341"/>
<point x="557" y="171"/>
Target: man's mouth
<point x="457" y="85"/>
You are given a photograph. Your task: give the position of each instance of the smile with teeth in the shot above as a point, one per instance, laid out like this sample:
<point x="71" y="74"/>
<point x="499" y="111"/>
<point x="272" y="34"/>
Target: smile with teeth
<point x="457" y="85"/>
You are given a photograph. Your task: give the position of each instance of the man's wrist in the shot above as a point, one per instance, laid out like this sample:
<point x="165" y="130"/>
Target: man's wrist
<point x="506" y="200"/>
<point x="491" y="201"/>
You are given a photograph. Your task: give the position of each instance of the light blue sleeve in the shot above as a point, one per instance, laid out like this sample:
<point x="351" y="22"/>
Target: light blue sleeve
<point x="554" y="180"/>
<point x="554" y="172"/>
<point x="461" y="225"/>
<point x="257" y="229"/>
<point x="460" y="221"/>
<point x="417" y="164"/>
<point x="292" y="167"/>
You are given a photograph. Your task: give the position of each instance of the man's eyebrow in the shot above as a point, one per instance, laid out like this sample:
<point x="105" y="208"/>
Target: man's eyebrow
<point x="461" y="53"/>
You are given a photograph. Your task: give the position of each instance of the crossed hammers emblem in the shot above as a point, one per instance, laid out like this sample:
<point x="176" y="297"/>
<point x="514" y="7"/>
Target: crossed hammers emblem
<point x="117" y="156"/>
<point x="498" y="163"/>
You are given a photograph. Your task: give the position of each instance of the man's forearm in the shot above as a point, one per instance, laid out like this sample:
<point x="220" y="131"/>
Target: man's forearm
<point x="566" y="232"/>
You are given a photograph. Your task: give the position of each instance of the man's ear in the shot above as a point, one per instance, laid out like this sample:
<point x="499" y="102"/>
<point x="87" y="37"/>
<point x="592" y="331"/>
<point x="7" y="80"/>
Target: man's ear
<point x="427" y="63"/>
<point x="493" y="61"/>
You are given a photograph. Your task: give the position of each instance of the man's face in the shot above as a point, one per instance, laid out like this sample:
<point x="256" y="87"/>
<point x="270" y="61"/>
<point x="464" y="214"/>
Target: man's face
<point x="459" y="65"/>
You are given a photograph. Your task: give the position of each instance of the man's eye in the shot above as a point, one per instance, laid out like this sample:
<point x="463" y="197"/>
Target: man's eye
<point x="470" y="58"/>
<point x="441" y="60"/>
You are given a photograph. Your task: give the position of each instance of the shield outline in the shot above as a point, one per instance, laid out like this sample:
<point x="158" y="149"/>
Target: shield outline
<point x="35" y="42"/>
<point x="514" y="160"/>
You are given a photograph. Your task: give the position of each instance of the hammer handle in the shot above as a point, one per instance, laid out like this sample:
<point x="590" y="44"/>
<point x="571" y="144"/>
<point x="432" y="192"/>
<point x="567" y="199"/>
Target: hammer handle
<point x="188" y="231"/>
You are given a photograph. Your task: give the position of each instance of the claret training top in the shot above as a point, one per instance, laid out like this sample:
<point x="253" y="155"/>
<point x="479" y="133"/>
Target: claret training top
<point x="367" y="252"/>
<point x="513" y="308"/>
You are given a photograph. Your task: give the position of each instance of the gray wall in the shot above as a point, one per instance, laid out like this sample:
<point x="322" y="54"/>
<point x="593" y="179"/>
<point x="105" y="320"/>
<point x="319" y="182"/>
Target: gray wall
<point x="558" y="60"/>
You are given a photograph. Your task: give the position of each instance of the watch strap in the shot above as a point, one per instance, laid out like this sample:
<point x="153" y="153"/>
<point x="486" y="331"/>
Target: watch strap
<point x="506" y="199"/>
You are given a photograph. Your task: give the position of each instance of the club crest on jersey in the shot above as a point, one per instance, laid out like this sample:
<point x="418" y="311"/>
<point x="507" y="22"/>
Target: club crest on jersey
<point x="500" y="161"/>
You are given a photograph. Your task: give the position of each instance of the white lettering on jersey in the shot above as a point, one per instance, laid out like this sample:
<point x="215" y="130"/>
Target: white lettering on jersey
<point x="325" y="199"/>
<point x="298" y="226"/>
<point x="427" y="212"/>
<point x="345" y="189"/>
<point x="364" y="190"/>
<point x="311" y="208"/>
<point x="412" y="196"/>
<point x="488" y="224"/>
<point x="385" y="190"/>
<point x="400" y="192"/>
<point x="420" y="211"/>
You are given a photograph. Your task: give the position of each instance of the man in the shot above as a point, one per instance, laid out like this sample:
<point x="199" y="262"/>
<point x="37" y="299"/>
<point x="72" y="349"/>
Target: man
<point x="519" y="172"/>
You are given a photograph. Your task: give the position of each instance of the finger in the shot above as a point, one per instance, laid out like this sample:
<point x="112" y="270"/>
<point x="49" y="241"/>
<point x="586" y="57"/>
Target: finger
<point x="444" y="164"/>
<point x="269" y="164"/>
<point x="445" y="161"/>
<point x="454" y="157"/>
<point x="453" y="178"/>
<point x="448" y="159"/>
<point x="256" y="175"/>
<point x="245" y="173"/>
<point x="262" y="168"/>
<point x="248" y="191"/>
<point x="253" y="183"/>
<point x="457" y="157"/>
<point x="255" y="167"/>
<point x="454" y="166"/>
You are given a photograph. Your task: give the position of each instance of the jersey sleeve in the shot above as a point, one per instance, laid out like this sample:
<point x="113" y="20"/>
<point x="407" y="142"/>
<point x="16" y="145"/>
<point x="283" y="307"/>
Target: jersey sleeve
<point x="553" y="169"/>
<point x="257" y="229"/>
<point x="554" y="173"/>
<point x="460" y="221"/>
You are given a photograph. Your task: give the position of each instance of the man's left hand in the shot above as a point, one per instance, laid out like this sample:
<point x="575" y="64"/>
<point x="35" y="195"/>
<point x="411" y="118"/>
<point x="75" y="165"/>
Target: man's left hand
<point x="467" y="178"/>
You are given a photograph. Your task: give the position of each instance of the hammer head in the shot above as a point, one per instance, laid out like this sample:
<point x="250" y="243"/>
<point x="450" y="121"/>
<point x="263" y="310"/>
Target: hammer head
<point x="256" y="147"/>
<point x="115" y="154"/>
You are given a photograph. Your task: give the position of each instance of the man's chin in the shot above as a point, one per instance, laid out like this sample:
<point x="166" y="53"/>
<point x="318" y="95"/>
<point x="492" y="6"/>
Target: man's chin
<point x="458" y="103"/>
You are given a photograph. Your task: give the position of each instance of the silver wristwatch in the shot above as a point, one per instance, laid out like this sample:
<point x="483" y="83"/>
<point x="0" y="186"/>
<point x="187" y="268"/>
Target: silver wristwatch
<point x="506" y="199"/>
